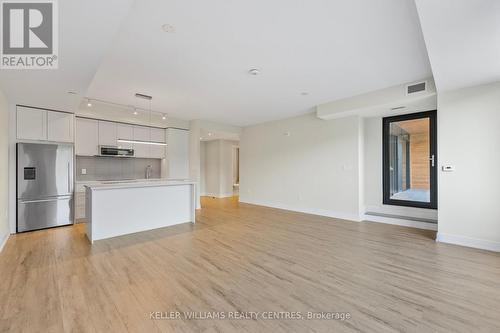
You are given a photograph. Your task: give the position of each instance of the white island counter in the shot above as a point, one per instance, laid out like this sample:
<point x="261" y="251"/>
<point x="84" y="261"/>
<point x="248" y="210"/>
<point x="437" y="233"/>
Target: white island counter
<point x="116" y="209"/>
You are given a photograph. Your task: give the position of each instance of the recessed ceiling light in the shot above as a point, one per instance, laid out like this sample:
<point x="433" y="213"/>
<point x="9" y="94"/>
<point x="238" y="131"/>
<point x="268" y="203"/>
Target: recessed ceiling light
<point x="305" y="93"/>
<point x="201" y="138"/>
<point x="168" y="28"/>
<point x="72" y="92"/>
<point x="254" y="71"/>
<point x="209" y="134"/>
<point x="135" y="112"/>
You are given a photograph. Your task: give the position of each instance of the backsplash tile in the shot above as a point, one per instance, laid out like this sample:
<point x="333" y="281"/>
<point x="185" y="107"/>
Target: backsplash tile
<point x="115" y="168"/>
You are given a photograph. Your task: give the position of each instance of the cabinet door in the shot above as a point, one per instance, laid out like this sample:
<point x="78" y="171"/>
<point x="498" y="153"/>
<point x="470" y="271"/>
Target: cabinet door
<point x="158" y="135"/>
<point x="107" y="133"/>
<point x="31" y="124"/>
<point x="125" y="132"/>
<point x="60" y="126"/>
<point x="178" y="153"/>
<point x="87" y="133"/>
<point x="141" y="133"/>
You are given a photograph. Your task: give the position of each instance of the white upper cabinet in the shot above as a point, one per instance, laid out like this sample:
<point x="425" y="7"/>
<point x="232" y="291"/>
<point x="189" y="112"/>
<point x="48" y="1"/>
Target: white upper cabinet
<point x="31" y="124"/>
<point x="90" y="134"/>
<point x="60" y="126"/>
<point x="142" y="134"/>
<point x="107" y="133"/>
<point x="125" y="132"/>
<point x="178" y="153"/>
<point x="44" y="125"/>
<point x="87" y="134"/>
<point x="157" y="135"/>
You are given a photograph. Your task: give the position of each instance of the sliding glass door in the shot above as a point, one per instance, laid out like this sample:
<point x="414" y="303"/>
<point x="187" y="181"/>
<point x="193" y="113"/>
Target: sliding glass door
<point x="410" y="160"/>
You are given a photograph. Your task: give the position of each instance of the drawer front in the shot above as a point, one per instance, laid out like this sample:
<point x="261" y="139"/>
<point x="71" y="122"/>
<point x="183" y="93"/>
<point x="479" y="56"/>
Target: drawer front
<point x="46" y="213"/>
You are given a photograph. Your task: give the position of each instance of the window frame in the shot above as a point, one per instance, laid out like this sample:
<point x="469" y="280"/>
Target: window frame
<point x="386" y="121"/>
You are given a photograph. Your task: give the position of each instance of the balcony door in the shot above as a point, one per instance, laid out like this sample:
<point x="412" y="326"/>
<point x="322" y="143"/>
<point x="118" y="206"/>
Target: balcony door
<point x="410" y="160"/>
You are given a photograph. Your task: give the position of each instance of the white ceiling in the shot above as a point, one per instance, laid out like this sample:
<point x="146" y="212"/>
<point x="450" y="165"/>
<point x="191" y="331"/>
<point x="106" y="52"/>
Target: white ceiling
<point x="330" y="49"/>
<point x="85" y="31"/>
<point x="463" y="41"/>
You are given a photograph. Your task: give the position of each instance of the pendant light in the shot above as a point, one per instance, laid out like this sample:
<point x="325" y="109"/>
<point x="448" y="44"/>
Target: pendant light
<point x="142" y="142"/>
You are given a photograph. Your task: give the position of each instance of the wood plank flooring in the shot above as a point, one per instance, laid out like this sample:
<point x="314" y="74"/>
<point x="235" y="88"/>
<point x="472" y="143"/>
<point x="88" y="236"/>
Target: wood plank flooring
<point x="240" y="257"/>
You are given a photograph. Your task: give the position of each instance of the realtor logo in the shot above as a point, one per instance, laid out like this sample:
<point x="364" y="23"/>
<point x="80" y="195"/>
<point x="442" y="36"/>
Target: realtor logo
<point x="29" y="34"/>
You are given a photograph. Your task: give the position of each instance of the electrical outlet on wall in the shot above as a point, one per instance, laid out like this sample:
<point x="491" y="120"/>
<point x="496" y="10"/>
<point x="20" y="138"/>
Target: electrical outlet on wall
<point x="84" y="171"/>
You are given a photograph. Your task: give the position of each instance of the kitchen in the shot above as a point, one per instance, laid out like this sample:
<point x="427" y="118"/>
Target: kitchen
<point x="68" y="163"/>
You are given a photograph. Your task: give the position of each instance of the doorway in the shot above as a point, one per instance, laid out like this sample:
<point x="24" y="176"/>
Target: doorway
<point x="236" y="170"/>
<point x="410" y="160"/>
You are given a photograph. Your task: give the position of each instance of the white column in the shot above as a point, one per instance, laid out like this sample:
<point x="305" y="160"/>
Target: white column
<point x="194" y="157"/>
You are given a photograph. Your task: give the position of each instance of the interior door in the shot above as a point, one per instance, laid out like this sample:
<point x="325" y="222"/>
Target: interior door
<point x="410" y="160"/>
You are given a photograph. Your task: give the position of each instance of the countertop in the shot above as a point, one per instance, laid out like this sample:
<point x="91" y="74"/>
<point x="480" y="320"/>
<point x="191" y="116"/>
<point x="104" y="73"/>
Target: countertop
<point x="110" y="185"/>
<point x="94" y="182"/>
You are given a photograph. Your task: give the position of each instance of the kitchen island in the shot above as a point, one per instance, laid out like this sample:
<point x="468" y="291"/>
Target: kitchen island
<point x="116" y="209"/>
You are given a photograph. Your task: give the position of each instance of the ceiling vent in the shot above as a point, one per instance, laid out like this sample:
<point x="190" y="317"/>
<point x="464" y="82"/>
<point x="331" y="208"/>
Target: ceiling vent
<point x="416" y="88"/>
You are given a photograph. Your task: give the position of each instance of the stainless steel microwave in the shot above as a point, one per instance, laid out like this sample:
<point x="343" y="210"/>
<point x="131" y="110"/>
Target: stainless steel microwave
<point x="115" y="151"/>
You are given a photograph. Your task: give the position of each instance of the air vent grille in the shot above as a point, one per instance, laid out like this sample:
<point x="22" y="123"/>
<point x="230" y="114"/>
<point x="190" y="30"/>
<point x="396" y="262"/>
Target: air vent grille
<point x="415" y="88"/>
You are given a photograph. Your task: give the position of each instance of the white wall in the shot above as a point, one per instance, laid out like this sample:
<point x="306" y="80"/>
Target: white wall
<point x="315" y="169"/>
<point x="212" y="174"/>
<point x="469" y="139"/>
<point x="226" y="167"/>
<point x="373" y="176"/>
<point x="203" y="161"/>
<point x="200" y="128"/>
<point x="217" y="168"/>
<point x="4" y="170"/>
<point x="194" y="157"/>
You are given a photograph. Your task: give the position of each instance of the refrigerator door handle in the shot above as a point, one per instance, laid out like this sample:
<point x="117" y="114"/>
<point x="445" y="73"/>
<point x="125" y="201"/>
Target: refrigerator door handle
<point x="44" y="200"/>
<point x="69" y="178"/>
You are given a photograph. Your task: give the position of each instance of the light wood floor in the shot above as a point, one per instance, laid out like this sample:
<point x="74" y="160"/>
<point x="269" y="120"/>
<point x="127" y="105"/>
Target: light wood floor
<point x="248" y="258"/>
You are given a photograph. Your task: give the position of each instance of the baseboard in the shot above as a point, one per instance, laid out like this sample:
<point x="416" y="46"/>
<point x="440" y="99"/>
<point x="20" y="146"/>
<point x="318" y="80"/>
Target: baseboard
<point x="4" y="241"/>
<point x="401" y="217"/>
<point x="477" y="243"/>
<point x="400" y="221"/>
<point x="320" y="212"/>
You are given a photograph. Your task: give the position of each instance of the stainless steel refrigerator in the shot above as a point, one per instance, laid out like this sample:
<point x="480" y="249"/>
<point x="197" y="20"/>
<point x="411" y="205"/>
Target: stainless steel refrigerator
<point x="44" y="185"/>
